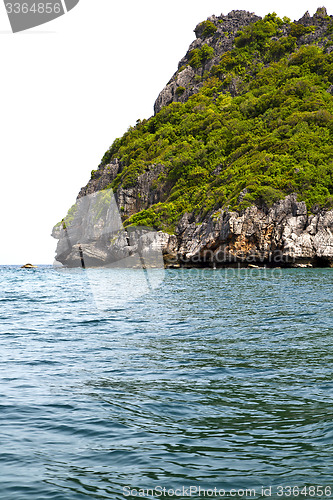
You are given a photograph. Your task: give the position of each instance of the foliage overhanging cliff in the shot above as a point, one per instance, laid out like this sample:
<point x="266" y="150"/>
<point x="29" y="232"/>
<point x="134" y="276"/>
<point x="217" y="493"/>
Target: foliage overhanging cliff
<point x="248" y="125"/>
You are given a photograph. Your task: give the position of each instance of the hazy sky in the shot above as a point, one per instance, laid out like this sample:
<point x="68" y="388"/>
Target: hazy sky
<point x="70" y="87"/>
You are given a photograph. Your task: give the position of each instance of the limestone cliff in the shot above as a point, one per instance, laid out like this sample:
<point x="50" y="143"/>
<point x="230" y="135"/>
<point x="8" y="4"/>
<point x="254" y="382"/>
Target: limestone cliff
<point x="284" y="235"/>
<point x="236" y="165"/>
<point x="189" y="78"/>
<point x="219" y="32"/>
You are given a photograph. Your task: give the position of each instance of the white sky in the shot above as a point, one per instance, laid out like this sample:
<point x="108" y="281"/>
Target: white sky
<point x="70" y="87"/>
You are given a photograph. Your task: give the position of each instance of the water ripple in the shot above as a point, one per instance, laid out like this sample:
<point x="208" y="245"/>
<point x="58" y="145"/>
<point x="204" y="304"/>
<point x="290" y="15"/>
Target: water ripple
<point x="219" y="379"/>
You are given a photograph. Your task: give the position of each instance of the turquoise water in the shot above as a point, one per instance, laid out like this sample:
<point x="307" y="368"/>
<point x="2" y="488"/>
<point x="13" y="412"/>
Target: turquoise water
<point x="218" y="379"/>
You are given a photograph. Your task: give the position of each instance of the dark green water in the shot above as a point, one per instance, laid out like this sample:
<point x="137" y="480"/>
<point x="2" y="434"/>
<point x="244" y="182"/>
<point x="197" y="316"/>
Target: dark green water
<point x="219" y="379"/>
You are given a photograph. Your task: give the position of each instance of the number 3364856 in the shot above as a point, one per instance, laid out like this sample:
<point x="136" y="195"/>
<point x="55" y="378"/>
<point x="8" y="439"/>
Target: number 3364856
<point x="35" y="8"/>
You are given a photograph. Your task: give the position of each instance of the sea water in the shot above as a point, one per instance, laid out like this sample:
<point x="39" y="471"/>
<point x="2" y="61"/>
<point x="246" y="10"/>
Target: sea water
<point x="216" y="379"/>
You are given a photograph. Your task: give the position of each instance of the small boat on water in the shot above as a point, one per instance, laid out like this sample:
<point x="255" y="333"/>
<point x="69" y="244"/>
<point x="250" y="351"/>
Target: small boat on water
<point x="28" y="266"/>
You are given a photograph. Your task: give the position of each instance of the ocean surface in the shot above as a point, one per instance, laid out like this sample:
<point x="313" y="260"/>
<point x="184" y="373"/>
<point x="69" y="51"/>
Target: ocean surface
<point x="215" y="379"/>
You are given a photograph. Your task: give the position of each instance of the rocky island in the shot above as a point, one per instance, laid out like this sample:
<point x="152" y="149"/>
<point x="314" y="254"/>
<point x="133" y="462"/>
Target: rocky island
<point x="236" y="165"/>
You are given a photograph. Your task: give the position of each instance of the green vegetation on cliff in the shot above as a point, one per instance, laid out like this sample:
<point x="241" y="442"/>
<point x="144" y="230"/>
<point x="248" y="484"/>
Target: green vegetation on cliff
<point x="274" y="138"/>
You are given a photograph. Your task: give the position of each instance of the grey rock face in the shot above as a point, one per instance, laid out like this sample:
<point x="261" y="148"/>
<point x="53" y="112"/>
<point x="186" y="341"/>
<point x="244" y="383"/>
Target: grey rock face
<point x="95" y="237"/>
<point x="189" y="80"/>
<point x="101" y="178"/>
<point x="132" y="199"/>
<point x="222" y="40"/>
<point x="282" y="236"/>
